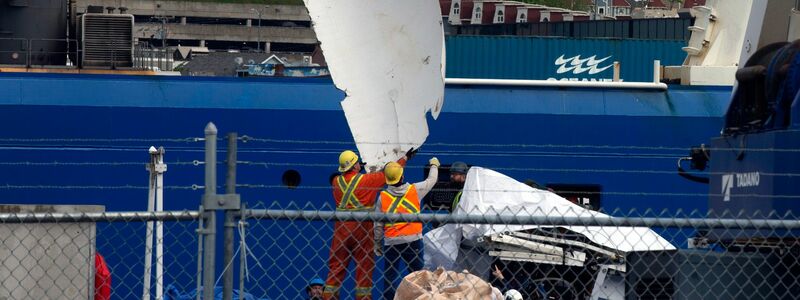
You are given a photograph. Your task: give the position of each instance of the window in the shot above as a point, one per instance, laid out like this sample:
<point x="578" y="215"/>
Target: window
<point x="456" y="8"/>
<point x="522" y="18"/>
<point x="500" y="18"/>
<point x="478" y="13"/>
<point x="601" y="10"/>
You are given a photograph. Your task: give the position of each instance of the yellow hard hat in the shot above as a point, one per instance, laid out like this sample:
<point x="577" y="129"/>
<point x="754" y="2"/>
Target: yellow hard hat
<point x="347" y="160"/>
<point x="393" y="172"/>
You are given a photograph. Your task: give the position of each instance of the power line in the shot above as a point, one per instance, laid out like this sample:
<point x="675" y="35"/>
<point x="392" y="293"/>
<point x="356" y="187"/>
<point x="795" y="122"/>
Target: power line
<point x="113" y="140"/>
<point x="536" y="191"/>
<point x="87" y="187"/>
<point x="508" y="145"/>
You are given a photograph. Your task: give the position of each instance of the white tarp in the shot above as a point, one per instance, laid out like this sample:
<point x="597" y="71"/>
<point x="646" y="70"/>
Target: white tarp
<point x="387" y="56"/>
<point x="489" y="192"/>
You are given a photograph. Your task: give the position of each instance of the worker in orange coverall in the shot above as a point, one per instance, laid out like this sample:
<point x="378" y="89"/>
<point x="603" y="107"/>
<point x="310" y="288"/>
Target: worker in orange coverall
<point x="354" y="191"/>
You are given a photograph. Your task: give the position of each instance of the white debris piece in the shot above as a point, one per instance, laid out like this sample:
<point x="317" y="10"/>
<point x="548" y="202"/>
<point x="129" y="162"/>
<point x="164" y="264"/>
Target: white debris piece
<point x="388" y="58"/>
<point x="488" y="192"/>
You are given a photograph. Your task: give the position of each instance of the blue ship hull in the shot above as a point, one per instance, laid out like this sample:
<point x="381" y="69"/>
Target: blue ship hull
<point x="83" y="140"/>
<point x="523" y="132"/>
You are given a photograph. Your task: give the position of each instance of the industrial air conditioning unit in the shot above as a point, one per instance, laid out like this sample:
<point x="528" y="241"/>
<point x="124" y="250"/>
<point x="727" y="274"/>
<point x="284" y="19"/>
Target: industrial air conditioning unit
<point x="106" y="40"/>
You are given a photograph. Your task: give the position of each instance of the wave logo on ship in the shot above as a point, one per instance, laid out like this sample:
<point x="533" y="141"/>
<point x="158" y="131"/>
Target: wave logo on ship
<point x="579" y="65"/>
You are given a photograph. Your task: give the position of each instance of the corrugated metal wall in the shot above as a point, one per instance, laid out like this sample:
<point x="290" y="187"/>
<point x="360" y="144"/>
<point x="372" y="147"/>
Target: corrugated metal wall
<point x="503" y="57"/>
<point x="656" y="29"/>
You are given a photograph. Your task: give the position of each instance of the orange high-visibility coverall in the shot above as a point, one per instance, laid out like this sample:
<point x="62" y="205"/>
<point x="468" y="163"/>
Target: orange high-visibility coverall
<point x="352" y="239"/>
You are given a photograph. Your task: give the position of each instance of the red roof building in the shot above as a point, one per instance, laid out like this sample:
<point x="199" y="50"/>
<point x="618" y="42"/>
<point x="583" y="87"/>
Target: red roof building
<point x="693" y="3"/>
<point x="506" y="12"/>
<point x="611" y="8"/>
<point x="483" y="12"/>
<point x="459" y="11"/>
<point x="445" y="6"/>
<point x="529" y="14"/>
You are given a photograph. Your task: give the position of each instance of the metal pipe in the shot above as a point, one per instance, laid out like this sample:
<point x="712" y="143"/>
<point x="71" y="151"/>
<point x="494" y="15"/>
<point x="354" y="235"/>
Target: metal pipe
<point x="160" y="168"/>
<point x="199" y="275"/>
<point x="166" y="216"/>
<point x="524" y="219"/>
<point x="656" y="71"/>
<point x="148" y="245"/>
<point x="557" y="83"/>
<point x="230" y="178"/>
<point x="210" y="215"/>
<point x="230" y="220"/>
<point x="243" y="255"/>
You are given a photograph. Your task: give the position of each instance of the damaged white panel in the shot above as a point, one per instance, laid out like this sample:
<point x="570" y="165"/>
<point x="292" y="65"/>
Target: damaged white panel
<point x="487" y="191"/>
<point x="387" y="56"/>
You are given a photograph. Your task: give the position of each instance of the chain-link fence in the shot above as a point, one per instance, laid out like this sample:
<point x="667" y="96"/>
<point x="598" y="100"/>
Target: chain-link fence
<point x="561" y="253"/>
<point x="557" y="253"/>
<point x="494" y="237"/>
<point x="48" y="254"/>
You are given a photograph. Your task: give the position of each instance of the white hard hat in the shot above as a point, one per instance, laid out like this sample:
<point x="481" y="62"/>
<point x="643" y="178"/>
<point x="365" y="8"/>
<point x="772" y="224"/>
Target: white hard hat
<point x="513" y="295"/>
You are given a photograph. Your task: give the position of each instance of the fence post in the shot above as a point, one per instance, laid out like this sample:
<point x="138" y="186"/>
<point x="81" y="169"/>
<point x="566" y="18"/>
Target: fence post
<point x="243" y="254"/>
<point x="160" y="168"/>
<point x="28" y="56"/>
<point x="230" y="219"/>
<point x="212" y="202"/>
<point x="210" y="215"/>
<point x="148" y="248"/>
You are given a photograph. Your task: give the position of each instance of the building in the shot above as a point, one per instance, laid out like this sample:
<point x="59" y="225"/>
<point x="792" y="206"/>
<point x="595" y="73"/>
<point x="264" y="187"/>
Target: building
<point x="216" y="25"/>
<point x="611" y="9"/>
<point x="485" y="12"/>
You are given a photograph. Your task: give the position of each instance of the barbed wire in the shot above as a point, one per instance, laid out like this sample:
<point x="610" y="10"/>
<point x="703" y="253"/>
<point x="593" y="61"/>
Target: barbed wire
<point x="482" y="154"/>
<point x="83" y="140"/>
<point x="265" y="186"/>
<point x="515" y="145"/>
<point x="90" y="187"/>
<point x="667" y="194"/>
<point x="560" y="170"/>
<point x="333" y="166"/>
<point x="245" y="139"/>
<point x="100" y="163"/>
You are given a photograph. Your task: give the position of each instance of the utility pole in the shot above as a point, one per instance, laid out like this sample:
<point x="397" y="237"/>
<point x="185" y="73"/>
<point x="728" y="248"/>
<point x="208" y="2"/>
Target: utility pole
<point x="163" y="33"/>
<point x="258" y="42"/>
<point x="163" y="30"/>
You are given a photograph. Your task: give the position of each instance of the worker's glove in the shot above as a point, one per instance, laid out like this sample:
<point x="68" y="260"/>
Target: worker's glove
<point x="378" y="249"/>
<point x="411" y="153"/>
<point x="434" y="162"/>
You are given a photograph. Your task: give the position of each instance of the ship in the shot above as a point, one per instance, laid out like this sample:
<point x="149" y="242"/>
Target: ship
<point x="83" y="137"/>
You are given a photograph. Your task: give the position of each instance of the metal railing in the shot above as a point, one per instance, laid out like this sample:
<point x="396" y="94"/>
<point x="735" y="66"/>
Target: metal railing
<point x="39" y="53"/>
<point x="21" y="52"/>
<point x="147" y="57"/>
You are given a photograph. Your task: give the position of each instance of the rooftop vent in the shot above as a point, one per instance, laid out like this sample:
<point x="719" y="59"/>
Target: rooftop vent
<point x="107" y="40"/>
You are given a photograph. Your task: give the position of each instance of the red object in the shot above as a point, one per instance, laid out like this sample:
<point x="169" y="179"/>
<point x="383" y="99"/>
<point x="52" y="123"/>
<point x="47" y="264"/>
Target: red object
<point x="102" y="278"/>
<point x="351" y="240"/>
<point x="444" y="5"/>
<point x="366" y="190"/>
<point x="354" y="240"/>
